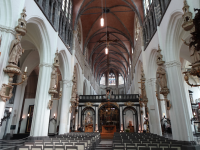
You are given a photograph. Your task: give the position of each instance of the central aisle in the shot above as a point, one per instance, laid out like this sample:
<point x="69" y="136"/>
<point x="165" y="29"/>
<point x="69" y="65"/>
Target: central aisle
<point x="105" y="144"/>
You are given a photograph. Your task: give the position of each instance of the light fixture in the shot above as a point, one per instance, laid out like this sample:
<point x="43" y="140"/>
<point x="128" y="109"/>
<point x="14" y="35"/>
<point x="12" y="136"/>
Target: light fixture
<point x="106" y="50"/>
<point x="54" y="115"/>
<point x="163" y="114"/>
<point x="28" y="115"/>
<point x="102" y="22"/>
<point x="102" y="19"/>
<point x="6" y="117"/>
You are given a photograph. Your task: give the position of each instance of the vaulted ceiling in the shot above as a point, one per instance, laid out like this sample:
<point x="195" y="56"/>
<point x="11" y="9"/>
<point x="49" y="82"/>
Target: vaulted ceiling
<point x="118" y="26"/>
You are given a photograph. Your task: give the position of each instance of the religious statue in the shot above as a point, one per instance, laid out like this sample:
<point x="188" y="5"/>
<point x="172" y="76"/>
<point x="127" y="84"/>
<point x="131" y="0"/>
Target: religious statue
<point x="54" y="77"/>
<point x="88" y="119"/>
<point x="16" y="50"/>
<point x="50" y="104"/>
<point x="161" y="77"/>
<point x="56" y="60"/>
<point x="159" y="60"/>
<point x="143" y="88"/>
<point x="108" y="95"/>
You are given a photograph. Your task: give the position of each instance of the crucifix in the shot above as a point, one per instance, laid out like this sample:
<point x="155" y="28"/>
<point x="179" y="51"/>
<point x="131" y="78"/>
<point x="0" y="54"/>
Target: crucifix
<point x="108" y="41"/>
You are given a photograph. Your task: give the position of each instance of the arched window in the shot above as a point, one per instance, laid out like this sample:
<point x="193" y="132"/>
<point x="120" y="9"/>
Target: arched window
<point x="137" y="28"/>
<point x="70" y="11"/>
<point x="112" y="79"/>
<point x="102" y="81"/>
<point x="63" y="5"/>
<point x="146" y="4"/>
<point x="121" y="79"/>
<point x="67" y="8"/>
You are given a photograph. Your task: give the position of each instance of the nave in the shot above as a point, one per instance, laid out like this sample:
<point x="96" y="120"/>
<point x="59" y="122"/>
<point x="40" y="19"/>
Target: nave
<point x="91" y="71"/>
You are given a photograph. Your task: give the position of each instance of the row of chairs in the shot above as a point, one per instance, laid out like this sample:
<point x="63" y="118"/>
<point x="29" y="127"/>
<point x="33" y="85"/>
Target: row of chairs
<point x="142" y="148"/>
<point x="140" y="141"/>
<point x="78" y="141"/>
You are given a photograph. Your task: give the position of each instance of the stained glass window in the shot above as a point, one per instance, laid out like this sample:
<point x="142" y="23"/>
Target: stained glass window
<point x="112" y="79"/>
<point x="102" y="81"/>
<point x="121" y="79"/>
<point x="146" y="4"/>
<point x="67" y="9"/>
<point x="63" y="5"/>
<point x="70" y="11"/>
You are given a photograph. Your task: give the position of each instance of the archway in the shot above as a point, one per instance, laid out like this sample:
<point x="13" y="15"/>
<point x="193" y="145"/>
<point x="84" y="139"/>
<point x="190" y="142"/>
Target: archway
<point x="130" y="114"/>
<point x="109" y="114"/>
<point x="88" y="117"/>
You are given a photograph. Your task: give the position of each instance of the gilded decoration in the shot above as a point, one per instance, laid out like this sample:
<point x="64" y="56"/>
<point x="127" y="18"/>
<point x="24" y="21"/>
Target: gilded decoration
<point x="129" y="103"/>
<point x="161" y="78"/>
<point x="192" y="25"/>
<point x="143" y="97"/>
<point x="15" y="52"/>
<point x="54" y="81"/>
<point x="74" y="98"/>
<point x="108" y="103"/>
<point x="88" y="104"/>
<point x="187" y="17"/>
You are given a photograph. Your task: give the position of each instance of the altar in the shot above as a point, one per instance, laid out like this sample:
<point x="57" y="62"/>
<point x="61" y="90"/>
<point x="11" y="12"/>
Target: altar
<point x="89" y="128"/>
<point x="108" y="129"/>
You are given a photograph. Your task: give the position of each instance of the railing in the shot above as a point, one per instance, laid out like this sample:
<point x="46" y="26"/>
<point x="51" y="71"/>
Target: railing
<point x="153" y="19"/>
<point x="58" y="20"/>
<point x="113" y="98"/>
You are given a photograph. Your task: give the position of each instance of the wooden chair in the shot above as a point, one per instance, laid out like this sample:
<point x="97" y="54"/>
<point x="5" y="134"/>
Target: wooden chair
<point x="23" y="148"/>
<point x="48" y="148"/>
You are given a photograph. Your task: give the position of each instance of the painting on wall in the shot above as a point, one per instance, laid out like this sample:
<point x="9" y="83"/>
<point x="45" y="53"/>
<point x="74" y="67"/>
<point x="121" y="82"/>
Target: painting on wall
<point x="29" y="119"/>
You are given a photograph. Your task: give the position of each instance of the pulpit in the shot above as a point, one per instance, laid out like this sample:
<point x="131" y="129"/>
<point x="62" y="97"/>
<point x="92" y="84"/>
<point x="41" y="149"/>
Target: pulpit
<point x="108" y="129"/>
<point x="89" y="128"/>
<point x="130" y="126"/>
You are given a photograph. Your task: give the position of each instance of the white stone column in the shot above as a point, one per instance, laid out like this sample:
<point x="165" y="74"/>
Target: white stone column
<point x="179" y="112"/>
<point x="18" y="101"/>
<point x="79" y="121"/>
<point x="40" y="121"/>
<point x="97" y="117"/>
<point x="76" y="121"/>
<point x="65" y="114"/>
<point x="59" y="107"/>
<point x="154" y="119"/>
<point x="142" y="117"/>
<point x="121" y="120"/>
<point x="7" y="36"/>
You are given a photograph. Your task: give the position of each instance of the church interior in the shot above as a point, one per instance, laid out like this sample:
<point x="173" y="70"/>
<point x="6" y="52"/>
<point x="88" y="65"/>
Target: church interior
<point x="99" y="74"/>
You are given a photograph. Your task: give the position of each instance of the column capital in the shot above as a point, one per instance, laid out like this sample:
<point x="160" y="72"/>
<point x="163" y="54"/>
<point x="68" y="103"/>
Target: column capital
<point x="45" y="65"/>
<point x="7" y="29"/>
<point x="172" y="64"/>
<point x="69" y="83"/>
<point x="151" y="81"/>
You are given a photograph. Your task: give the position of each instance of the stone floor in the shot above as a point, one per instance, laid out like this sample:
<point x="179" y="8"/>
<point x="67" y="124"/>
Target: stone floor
<point x="105" y="144"/>
<point x="169" y="136"/>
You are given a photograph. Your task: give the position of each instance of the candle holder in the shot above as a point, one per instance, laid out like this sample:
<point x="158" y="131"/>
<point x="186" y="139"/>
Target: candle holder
<point x="6" y="117"/>
<point x="6" y="90"/>
<point x="12" y="68"/>
<point x="54" y="118"/>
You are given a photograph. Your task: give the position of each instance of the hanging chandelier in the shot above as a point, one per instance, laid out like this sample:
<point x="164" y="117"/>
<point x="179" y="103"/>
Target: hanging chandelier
<point x="106" y="50"/>
<point x="102" y="19"/>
